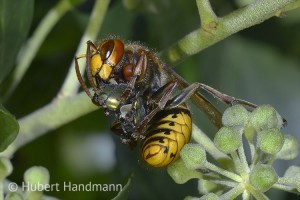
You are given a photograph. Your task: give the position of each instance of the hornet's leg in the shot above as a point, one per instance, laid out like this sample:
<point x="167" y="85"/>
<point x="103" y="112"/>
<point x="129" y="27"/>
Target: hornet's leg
<point x="183" y="96"/>
<point x="137" y="70"/>
<point x="229" y="100"/>
<point x="90" y="45"/>
<point x="202" y="103"/>
<point x="160" y="99"/>
<point x="79" y="76"/>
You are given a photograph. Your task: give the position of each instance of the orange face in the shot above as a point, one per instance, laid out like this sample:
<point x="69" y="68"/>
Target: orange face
<point x="108" y="54"/>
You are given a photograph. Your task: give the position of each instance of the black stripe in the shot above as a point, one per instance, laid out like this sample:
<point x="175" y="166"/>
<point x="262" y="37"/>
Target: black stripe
<point x="156" y="120"/>
<point x="159" y="130"/>
<point x="158" y="138"/>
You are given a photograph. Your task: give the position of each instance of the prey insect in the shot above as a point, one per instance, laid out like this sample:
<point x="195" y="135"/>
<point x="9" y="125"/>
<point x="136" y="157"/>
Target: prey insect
<point x="133" y="85"/>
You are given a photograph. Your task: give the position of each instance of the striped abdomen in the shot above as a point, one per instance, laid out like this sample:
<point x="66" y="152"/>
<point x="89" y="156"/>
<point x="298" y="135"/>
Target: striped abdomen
<point x="166" y="134"/>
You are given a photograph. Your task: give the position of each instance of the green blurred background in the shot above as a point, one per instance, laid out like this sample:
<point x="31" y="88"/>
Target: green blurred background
<point x="260" y="64"/>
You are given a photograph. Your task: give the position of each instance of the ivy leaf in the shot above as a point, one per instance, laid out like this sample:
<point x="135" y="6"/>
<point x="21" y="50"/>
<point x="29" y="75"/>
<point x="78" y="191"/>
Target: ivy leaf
<point x="9" y="128"/>
<point x="123" y="194"/>
<point x="15" y="21"/>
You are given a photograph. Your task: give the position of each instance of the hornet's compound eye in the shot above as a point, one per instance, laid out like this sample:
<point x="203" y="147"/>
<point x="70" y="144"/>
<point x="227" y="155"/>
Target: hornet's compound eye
<point x="110" y="54"/>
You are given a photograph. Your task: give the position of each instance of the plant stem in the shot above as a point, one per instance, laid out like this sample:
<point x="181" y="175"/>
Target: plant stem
<point x="255" y="158"/>
<point x="207" y="15"/>
<point x="243" y="159"/>
<point x="237" y="162"/>
<point x="233" y="193"/>
<point x="252" y="150"/>
<point x="287" y="184"/>
<point x="246" y="195"/>
<point x="223" y="172"/>
<point x="242" y="18"/>
<point x="257" y="194"/>
<point x="70" y="85"/>
<point x="286" y="180"/>
<point x="286" y="188"/>
<point x="271" y="159"/>
<point x="291" y="6"/>
<point x="33" y="44"/>
<point x="57" y="113"/>
<point x="225" y="183"/>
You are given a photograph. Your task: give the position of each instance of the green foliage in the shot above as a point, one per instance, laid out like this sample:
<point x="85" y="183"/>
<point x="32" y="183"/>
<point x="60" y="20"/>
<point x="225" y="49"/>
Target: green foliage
<point x="236" y="116"/>
<point x="193" y="155"/>
<point x="9" y="128"/>
<point x="244" y="179"/>
<point x="265" y="117"/>
<point x="228" y="140"/>
<point x="270" y="141"/>
<point x="262" y="177"/>
<point x="15" y="21"/>
<point x="124" y="193"/>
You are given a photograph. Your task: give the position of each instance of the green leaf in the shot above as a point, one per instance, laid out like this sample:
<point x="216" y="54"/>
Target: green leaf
<point x="123" y="194"/>
<point x="15" y="20"/>
<point x="9" y="128"/>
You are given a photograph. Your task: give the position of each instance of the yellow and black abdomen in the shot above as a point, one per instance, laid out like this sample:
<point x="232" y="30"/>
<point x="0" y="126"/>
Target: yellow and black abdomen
<point x="166" y="134"/>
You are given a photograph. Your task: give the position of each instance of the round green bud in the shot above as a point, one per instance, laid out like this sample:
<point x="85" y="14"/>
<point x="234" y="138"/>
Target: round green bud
<point x="262" y="177"/>
<point x="37" y="176"/>
<point x="5" y="168"/>
<point x="290" y="148"/>
<point x="236" y="116"/>
<point x="228" y="140"/>
<point x="180" y="173"/>
<point x="265" y="117"/>
<point x="270" y="141"/>
<point x="193" y="155"/>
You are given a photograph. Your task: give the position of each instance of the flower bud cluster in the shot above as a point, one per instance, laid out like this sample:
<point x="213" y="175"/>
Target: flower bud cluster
<point x="245" y="175"/>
